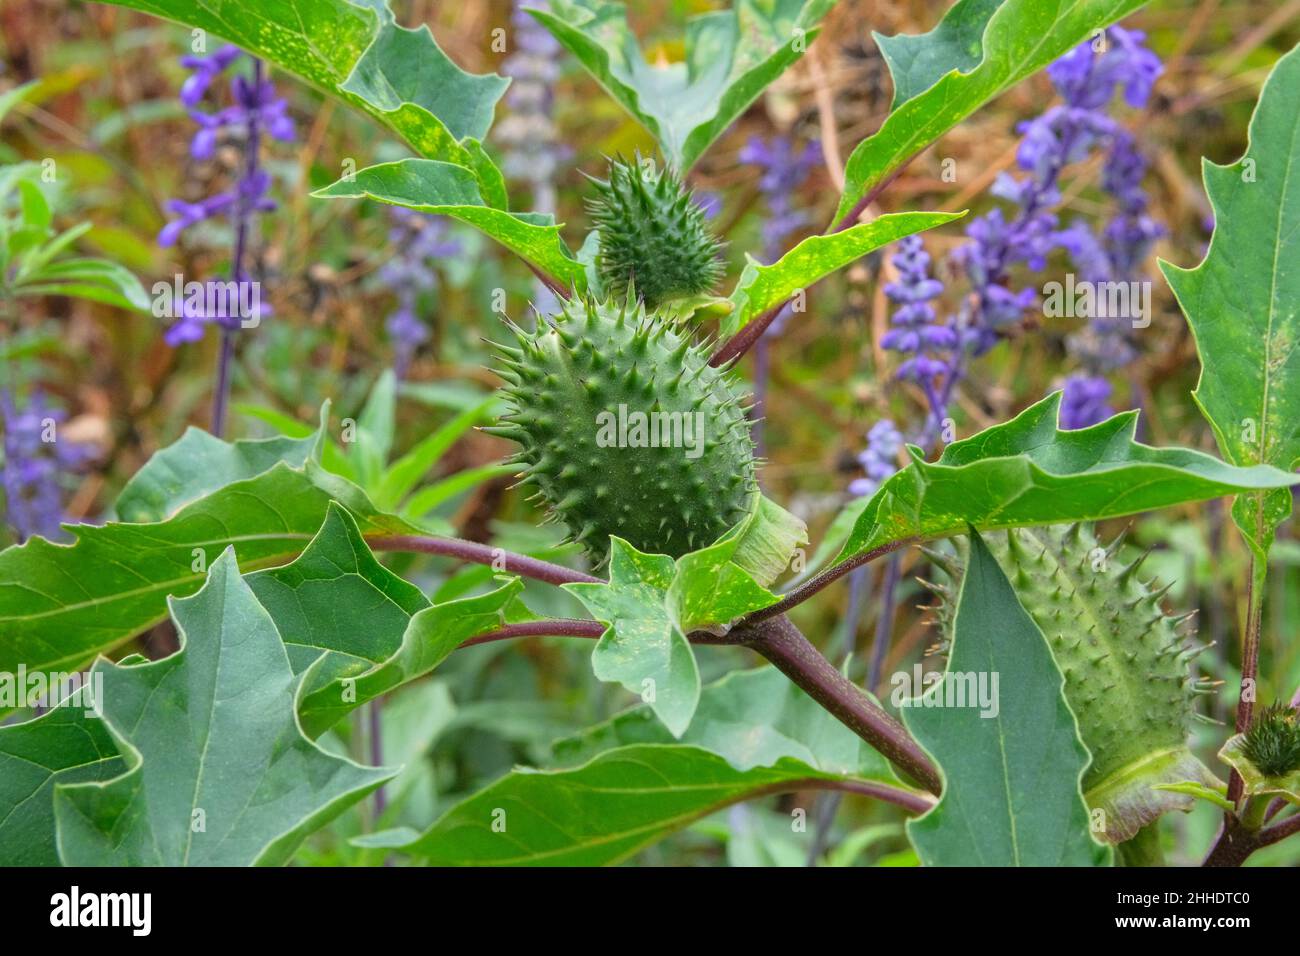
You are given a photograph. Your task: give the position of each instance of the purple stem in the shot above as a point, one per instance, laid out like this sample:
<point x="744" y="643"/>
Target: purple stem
<point x="243" y="222"/>
<point x="885" y="622"/>
<point x="782" y="643"/>
<point x="506" y="562"/>
<point x="829" y="806"/>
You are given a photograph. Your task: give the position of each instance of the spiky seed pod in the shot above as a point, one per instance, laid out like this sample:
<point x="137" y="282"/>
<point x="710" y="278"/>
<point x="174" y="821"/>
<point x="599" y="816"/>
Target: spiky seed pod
<point x="652" y="235"/>
<point x="625" y="429"/>
<point x="1127" y="669"/>
<point x="1272" y="743"/>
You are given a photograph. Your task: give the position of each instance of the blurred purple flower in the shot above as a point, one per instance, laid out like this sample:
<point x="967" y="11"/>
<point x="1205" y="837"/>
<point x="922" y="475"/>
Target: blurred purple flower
<point x="533" y="148"/>
<point x="256" y="109"/>
<point x="783" y="169"/>
<point x="1084" y="401"/>
<point x="1090" y="79"/>
<point x="34" y="461"/>
<point x="880" y="458"/>
<point x="420" y="240"/>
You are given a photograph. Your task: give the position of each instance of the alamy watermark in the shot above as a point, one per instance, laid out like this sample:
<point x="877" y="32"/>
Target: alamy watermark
<point x="224" y="302"/>
<point x="1098" y="300"/>
<point x="637" y="429"/>
<point x="32" y="689"/>
<point x="976" y="689"/>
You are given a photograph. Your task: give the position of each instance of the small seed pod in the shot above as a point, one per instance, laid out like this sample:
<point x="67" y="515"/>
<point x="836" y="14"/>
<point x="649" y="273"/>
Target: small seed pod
<point x="652" y="235"/>
<point x="1272" y="743"/>
<point x="626" y="430"/>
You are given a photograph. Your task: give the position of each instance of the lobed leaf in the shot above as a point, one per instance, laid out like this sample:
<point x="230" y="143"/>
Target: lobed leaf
<point x="763" y="287"/>
<point x="60" y="605"/>
<point x="65" y="745"/>
<point x="731" y="57"/>
<point x="632" y="785"/>
<point x="357" y="52"/>
<point x="1021" y="37"/>
<point x="651" y="603"/>
<point x="1028" y="472"/>
<point x="918" y="61"/>
<point x="1242" y="303"/>
<point x="438" y="187"/>
<point x="218" y="772"/>
<point x="1010" y="755"/>
<point x="360" y="629"/>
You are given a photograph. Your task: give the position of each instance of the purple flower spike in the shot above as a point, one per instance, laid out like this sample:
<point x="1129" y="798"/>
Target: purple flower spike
<point x="256" y="110"/>
<point x="420" y="240"/>
<point x="33" y="466"/>
<point x="1084" y="402"/>
<point x="880" y="458"/>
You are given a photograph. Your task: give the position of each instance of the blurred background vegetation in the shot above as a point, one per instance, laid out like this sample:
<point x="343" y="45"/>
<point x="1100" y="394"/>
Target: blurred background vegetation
<point x="107" y="112"/>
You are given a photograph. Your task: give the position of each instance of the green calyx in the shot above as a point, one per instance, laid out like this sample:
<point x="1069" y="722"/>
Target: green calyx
<point x="1272" y="743"/>
<point x="652" y="235"/>
<point x="1127" y="668"/>
<point x="626" y="430"/>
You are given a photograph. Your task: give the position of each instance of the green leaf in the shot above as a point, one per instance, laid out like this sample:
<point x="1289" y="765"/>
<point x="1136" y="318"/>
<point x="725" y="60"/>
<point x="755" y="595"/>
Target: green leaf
<point x="709" y="588"/>
<point x="764" y="287"/>
<point x="731" y="57"/>
<point x="361" y="629"/>
<point x="1022" y="37"/>
<point x="424" y="501"/>
<point x="96" y="279"/>
<point x="1194" y="788"/>
<point x="756" y="733"/>
<point x="1257" y="782"/>
<point x="60" y="605"/>
<point x="199" y="464"/>
<point x="375" y="430"/>
<point x="64" y="745"/>
<point x="1241" y="303"/>
<point x="1010" y="753"/>
<point x="405" y="473"/>
<point x="11" y="98"/>
<point x="651" y="603"/>
<point x="751" y="718"/>
<point x="917" y="62"/>
<point x="218" y="771"/>
<point x="767" y="540"/>
<point x="438" y="187"/>
<point x="35" y="210"/>
<point x="642" y="648"/>
<point x="356" y="51"/>
<point x="1027" y="472"/>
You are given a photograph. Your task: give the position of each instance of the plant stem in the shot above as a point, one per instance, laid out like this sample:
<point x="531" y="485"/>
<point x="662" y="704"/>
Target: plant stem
<point x="830" y="806"/>
<point x="1236" y="841"/>
<point x="885" y="622"/>
<point x="781" y="642"/>
<point x="1144" y="848"/>
<point x="221" y="392"/>
<point x="559" y="627"/>
<point x="1249" y="661"/>
<point x="243" y="221"/>
<point x="507" y="562"/>
<point x="830" y="575"/>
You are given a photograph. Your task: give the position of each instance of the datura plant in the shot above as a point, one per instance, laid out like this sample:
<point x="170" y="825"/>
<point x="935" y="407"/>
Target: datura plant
<point x="1057" y="728"/>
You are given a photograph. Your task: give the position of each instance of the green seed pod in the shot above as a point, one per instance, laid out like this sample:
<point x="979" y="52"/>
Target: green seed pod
<point x="652" y="235"/>
<point x="626" y="430"/>
<point x="1272" y="743"/>
<point x="1127" y="669"/>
